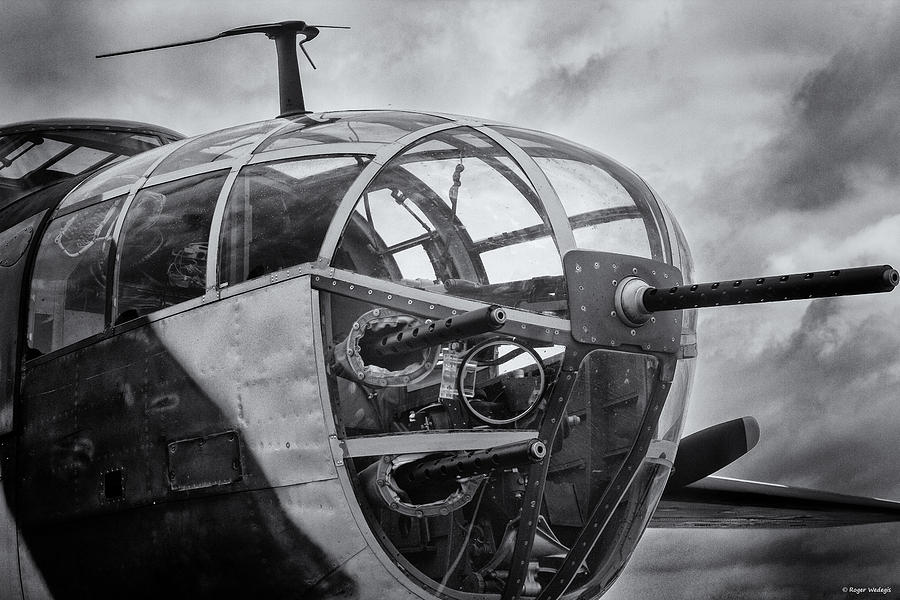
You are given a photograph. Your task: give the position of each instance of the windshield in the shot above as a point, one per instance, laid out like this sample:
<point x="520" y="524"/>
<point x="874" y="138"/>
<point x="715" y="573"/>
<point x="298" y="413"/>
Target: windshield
<point x="32" y="160"/>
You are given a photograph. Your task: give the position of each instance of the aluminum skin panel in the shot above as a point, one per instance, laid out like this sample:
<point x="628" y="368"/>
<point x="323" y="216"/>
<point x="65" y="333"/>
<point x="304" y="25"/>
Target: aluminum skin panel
<point x="252" y="355"/>
<point x="114" y="406"/>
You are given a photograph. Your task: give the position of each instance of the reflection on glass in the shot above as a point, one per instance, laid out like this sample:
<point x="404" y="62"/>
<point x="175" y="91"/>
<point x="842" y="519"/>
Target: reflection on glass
<point x="278" y="213"/>
<point x="220" y="145"/>
<point x="164" y="244"/>
<point x="351" y="126"/>
<point x="118" y="175"/>
<point x="68" y="289"/>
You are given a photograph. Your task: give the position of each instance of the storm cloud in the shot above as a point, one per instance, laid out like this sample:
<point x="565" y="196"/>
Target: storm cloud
<point x="771" y="129"/>
<point x="846" y="126"/>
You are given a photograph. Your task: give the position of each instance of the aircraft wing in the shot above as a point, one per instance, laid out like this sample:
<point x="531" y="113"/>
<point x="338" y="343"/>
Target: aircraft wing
<point x="726" y="503"/>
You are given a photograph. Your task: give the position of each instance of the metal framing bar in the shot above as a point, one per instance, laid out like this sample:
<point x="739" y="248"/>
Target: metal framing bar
<point x="556" y="214"/>
<point x="215" y="228"/>
<point x="338" y="451"/>
<point x="369" y="173"/>
<point x="112" y="290"/>
<point x="338" y="148"/>
<point x="411" y="443"/>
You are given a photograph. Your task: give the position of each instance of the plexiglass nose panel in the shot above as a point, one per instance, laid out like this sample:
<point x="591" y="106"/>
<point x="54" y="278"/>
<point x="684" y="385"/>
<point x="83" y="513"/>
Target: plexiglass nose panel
<point x="455" y="214"/>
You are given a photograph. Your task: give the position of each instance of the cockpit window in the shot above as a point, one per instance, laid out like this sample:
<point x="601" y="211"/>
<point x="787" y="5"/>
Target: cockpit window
<point x="32" y="160"/>
<point x="330" y="128"/>
<point x="455" y="214"/>
<point x="278" y="213"/>
<point x="164" y="244"/>
<point x="68" y="290"/>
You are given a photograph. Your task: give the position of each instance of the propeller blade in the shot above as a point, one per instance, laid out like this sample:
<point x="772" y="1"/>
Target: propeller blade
<point x="708" y="450"/>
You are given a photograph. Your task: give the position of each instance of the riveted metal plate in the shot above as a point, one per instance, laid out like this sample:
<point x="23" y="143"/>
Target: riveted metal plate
<point x="205" y="461"/>
<point x="593" y="278"/>
<point x="13" y="244"/>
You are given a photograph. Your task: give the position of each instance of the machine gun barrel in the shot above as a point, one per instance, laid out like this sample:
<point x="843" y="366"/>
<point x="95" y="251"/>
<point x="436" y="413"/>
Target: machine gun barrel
<point x="637" y="300"/>
<point x="822" y="284"/>
<point x="434" y="471"/>
<point x="458" y="327"/>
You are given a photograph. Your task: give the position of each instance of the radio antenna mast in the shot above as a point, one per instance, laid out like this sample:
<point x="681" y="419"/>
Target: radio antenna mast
<point x="290" y="91"/>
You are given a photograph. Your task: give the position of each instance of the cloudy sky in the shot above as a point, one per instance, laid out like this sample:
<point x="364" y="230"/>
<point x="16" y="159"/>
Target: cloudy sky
<point x="772" y="129"/>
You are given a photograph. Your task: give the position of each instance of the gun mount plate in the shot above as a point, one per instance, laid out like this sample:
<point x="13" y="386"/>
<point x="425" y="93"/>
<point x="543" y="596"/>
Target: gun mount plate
<point x="593" y="277"/>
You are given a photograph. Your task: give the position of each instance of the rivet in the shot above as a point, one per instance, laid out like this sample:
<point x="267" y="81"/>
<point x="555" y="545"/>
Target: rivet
<point x="633" y="333"/>
<point x="596" y="265"/>
<point x="352" y="287"/>
<point x="390" y="296"/>
<point x="370" y="292"/>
